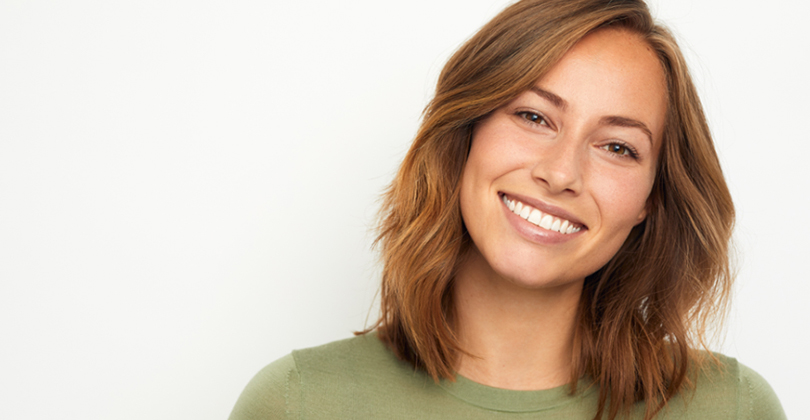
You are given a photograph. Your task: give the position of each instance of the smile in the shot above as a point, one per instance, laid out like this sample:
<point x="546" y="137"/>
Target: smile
<point x="538" y="218"/>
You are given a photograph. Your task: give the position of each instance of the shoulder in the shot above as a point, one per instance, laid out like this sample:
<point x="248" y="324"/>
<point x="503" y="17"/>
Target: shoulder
<point x="328" y="379"/>
<point x="757" y="398"/>
<point x="268" y="394"/>
<point x="726" y="389"/>
<point x="358" y="356"/>
<point x="337" y="372"/>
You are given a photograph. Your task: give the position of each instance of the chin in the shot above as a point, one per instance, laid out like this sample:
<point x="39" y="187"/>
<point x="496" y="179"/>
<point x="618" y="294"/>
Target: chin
<point x="536" y="276"/>
<point x="535" y="283"/>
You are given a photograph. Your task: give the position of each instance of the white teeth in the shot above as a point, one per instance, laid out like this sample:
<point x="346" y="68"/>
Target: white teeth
<point x="524" y="213"/>
<point x="536" y="217"/>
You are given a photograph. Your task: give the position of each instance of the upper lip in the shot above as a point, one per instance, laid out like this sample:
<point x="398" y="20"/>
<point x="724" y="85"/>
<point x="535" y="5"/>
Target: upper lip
<point x="545" y="208"/>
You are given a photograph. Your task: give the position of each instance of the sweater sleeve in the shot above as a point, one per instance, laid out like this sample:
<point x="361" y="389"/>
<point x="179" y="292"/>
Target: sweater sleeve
<point x="757" y="399"/>
<point x="274" y="393"/>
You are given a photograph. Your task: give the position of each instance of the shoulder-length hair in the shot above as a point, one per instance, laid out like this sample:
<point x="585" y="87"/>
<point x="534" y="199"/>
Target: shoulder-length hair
<point x="641" y="315"/>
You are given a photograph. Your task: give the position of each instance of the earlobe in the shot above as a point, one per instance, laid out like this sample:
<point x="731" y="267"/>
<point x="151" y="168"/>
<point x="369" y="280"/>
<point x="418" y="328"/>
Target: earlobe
<point x="646" y="210"/>
<point x="642" y="216"/>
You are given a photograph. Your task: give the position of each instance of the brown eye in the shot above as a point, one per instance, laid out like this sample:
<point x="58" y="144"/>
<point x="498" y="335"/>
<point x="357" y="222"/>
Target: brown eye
<point x="620" y="150"/>
<point x="533" y="117"/>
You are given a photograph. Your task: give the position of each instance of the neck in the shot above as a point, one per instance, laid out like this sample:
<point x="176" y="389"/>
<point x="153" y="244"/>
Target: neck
<point x="517" y="337"/>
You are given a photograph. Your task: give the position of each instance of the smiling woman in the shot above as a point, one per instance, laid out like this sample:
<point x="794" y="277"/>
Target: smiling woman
<point x="558" y="153"/>
<point x="555" y="242"/>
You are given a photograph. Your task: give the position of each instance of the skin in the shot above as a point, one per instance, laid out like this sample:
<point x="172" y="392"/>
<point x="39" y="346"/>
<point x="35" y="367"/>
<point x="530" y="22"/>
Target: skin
<point x="517" y="292"/>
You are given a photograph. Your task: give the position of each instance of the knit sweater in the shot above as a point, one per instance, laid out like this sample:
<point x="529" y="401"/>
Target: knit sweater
<point x="360" y="378"/>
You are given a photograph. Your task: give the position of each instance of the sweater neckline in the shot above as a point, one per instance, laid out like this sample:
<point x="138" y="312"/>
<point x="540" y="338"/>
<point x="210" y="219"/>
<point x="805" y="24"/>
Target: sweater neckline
<point x="512" y="401"/>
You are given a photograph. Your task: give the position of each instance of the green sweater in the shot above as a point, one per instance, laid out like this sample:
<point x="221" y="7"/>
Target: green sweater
<point x="359" y="378"/>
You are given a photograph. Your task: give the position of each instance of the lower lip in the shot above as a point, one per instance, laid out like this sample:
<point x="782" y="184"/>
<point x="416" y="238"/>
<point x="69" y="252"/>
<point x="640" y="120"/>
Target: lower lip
<point x="535" y="233"/>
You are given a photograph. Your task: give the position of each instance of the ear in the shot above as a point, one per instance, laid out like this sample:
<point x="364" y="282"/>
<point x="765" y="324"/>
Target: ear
<point x="642" y="215"/>
<point x="647" y="208"/>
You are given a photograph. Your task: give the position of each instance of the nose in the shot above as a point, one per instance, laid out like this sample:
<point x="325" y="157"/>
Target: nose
<point x="559" y="166"/>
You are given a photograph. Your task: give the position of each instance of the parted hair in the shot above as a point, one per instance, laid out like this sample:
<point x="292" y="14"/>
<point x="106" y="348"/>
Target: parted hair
<point x="643" y="314"/>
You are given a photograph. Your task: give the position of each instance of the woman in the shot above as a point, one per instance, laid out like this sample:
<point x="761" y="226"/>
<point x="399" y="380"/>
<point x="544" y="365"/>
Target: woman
<point x="554" y="243"/>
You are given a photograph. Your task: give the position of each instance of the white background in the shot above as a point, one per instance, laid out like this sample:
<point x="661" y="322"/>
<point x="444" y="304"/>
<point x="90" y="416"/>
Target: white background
<point x="187" y="187"/>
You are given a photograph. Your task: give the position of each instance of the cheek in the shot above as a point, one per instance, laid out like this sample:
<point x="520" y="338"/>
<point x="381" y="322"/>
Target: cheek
<point x="466" y="198"/>
<point x="623" y="200"/>
<point x="472" y="180"/>
<point x="487" y="161"/>
<point x="491" y="157"/>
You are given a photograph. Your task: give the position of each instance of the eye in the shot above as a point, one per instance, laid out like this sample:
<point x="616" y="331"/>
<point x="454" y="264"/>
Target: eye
<point x="533" y="117"/>
<point x="621" y="149"/>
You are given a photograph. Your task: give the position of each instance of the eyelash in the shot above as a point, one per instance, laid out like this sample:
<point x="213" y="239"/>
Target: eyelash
<point x="526" y="114"/>
<point x="630" y="151"/>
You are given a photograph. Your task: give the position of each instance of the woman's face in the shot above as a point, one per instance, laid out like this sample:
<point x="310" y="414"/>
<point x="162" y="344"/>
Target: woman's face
<point x="556" y="179"/>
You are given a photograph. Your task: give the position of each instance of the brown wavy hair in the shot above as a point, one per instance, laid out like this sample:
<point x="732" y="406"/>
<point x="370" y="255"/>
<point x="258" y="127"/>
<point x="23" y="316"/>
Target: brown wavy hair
<point x="640" y="316"/>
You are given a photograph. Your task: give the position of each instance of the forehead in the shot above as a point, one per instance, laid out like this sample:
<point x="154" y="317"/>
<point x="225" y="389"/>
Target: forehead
<point x="611" y="72"/>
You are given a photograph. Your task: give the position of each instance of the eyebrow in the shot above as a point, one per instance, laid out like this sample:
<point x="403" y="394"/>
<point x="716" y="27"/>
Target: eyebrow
<point x="613" y="120"/>
<point x="554" y="99"/>
<point x="626" y="122"/>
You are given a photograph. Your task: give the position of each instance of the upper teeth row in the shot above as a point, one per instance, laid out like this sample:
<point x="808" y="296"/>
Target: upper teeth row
<point x="545" y="221"/>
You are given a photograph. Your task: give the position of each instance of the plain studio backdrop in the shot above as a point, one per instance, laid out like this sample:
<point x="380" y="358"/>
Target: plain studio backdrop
<point x="187" y="188"/>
